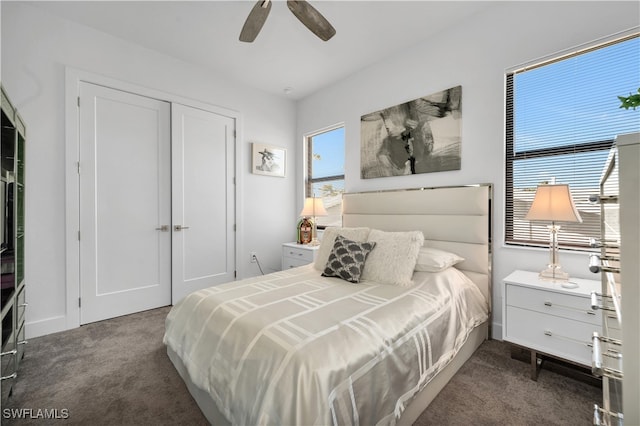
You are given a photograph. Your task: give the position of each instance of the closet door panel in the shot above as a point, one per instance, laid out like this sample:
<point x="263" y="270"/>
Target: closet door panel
<point x="203" y="249"/>
<point x="125" y="197"/>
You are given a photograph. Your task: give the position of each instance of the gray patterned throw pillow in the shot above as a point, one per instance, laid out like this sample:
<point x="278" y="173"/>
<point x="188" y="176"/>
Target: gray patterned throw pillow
<point x="347" y="258"/>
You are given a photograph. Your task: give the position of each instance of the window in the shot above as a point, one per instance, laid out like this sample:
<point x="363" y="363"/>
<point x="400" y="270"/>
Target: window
<point x="562" y="117"/>
<point x="325" y="173"/>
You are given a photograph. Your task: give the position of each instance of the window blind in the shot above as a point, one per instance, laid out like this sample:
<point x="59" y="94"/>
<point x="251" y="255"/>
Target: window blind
<point x="562" y="118"/>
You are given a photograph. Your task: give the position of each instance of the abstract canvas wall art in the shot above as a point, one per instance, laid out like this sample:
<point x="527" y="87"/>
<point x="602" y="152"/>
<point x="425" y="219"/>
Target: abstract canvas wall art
<point x="419" y="136"/>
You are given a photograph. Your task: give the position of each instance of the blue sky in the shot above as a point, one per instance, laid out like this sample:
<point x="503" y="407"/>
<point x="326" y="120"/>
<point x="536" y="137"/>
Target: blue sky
<point x="330" y="147"/>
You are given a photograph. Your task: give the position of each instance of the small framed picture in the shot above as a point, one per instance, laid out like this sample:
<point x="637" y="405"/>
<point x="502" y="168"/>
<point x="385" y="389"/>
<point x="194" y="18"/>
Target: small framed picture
<point x="268" y="160"/>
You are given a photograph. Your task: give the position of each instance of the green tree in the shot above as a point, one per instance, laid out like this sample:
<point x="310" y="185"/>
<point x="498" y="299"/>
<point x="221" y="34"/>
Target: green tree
<point x="328" y="190"/>
<point x="631" y="101"/>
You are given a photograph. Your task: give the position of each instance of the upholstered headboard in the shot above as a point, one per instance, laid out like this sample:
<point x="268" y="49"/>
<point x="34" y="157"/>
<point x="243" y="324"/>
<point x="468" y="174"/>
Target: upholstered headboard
<point x="456" y="219"/>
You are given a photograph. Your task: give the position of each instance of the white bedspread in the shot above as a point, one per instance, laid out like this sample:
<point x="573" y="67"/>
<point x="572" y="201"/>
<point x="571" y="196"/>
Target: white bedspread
<point x="295" y="348"/>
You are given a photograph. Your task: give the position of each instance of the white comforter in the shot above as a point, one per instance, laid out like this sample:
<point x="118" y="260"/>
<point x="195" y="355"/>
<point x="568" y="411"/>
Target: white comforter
<point x="295" y="348"/>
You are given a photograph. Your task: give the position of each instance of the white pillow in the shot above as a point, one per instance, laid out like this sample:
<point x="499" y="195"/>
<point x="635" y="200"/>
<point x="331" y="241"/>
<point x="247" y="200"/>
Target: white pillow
<point x="394" y="257"/>
<point x="329" y="237"/>
<point x="435" y="260"/>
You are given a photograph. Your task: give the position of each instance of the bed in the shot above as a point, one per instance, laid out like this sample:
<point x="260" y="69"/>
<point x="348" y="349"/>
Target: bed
<point x="297" y="347"/>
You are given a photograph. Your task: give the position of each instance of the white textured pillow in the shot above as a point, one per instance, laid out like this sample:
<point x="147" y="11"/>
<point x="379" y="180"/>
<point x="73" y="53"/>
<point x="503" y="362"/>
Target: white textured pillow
<point x="328" y="239"/>
<point x="435" y="260"/>
<point x="393" y="259"/>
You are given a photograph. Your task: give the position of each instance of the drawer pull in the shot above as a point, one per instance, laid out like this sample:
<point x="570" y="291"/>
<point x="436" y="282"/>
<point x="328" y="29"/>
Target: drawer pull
<point x="596" y="243"/>
<point x="293" y="253"/>
<point x="597" y="419"/>
<point x="11" y="352"/>
<point x="596" y="357"/>
<point x="596" y="264"/>
<point x="603" y="199"/>
<point x="569" y="308"/>
<point x="23" y="342"/>
<point x="594" y="302"/>
<point x="548" y="333"/>
<point x="607" y="339"/>
<point x="10" y="376"/>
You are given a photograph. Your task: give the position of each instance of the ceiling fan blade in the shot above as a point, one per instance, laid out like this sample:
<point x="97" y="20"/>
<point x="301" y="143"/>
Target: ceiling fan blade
<point x="255" y="21"/>
<point x="311" y="18"/>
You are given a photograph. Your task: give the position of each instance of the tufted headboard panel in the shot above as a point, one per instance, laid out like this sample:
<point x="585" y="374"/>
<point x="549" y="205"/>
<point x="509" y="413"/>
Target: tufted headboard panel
<point x="454" y="218"/>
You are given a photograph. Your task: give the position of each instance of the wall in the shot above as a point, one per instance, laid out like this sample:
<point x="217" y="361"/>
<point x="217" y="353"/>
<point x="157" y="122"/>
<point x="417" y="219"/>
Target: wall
<point x="475" y="54"/>
<point x="36" y="48"/>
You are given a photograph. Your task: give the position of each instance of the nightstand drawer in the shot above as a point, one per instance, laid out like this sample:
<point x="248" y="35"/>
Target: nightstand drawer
<point x="289" y="262"/>
<point x="294" y="255"/>
<point x="550" y="334"/>
<point x="552" y="303"/>
<point x="298" y="253"/>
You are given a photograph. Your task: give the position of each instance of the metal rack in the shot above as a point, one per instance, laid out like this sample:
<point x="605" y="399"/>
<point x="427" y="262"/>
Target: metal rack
<point x="614" y="350"/>
<point x="12" y="288"/>
<point x="607" y="347"/>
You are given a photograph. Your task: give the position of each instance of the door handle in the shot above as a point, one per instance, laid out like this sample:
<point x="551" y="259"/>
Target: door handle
<point x="163" y="228"/>
<point x="180" y="227"/>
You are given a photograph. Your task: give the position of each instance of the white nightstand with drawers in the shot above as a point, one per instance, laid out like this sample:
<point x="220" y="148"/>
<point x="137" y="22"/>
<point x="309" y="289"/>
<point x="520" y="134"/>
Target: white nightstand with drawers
<point x="294" y="255"/>
<point x="549" y="319"/>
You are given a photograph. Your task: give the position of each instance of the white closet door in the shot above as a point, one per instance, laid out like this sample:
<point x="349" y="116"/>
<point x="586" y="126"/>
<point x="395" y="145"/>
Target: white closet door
<point x="203" y="199"/>
<point x="125" y="184"/>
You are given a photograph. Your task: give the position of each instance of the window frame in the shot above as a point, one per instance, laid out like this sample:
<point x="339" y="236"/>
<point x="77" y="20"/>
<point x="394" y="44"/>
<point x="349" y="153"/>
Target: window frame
<point x="511" y="156"/>
<point x="309" y="180"/>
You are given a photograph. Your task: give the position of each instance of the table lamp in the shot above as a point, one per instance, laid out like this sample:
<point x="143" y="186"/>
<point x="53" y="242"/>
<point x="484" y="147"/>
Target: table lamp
<point x="554" y="203"/>
<point x="313" y="207"/>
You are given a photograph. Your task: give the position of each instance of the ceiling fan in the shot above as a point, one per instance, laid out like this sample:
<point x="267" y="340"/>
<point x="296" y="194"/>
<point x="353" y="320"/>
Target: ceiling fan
<point x="306" y="13"/>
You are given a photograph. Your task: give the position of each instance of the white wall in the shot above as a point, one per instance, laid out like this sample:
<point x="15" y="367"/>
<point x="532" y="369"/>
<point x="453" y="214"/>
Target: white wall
<point x="36" y="48"/>
<point x="475" y="54"/>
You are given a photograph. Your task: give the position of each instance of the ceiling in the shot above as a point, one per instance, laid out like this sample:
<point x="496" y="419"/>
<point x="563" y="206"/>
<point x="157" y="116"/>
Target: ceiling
<point x="286" y="56"/>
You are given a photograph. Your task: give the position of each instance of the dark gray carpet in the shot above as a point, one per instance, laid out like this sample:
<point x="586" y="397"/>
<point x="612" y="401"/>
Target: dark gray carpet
<point x="113" y="372"/>
<point x="116" y="372"/>
<point x="491" y="388"/>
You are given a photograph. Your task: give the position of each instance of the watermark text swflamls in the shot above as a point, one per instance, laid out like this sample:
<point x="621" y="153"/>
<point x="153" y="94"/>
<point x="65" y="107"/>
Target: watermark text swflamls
<point x="35" y="413"/>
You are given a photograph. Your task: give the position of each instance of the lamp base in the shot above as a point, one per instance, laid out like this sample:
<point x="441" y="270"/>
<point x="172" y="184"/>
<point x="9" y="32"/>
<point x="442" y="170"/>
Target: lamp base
<point x="554" y="273"/>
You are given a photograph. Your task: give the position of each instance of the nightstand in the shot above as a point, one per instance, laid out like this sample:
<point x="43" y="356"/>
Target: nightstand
<point x="548" y="319"/>
<point x="294" y="255"/>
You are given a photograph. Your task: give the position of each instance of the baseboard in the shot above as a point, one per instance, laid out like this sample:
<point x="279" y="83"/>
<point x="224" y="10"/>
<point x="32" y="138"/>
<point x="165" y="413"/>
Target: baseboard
<point x="45" y="326"/>
<point x="496" y="331"/>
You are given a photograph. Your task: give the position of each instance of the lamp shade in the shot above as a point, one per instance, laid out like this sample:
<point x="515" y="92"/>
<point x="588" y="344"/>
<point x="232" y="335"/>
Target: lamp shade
<point x="553" y="203"/>
<point x="313" y="207"/>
